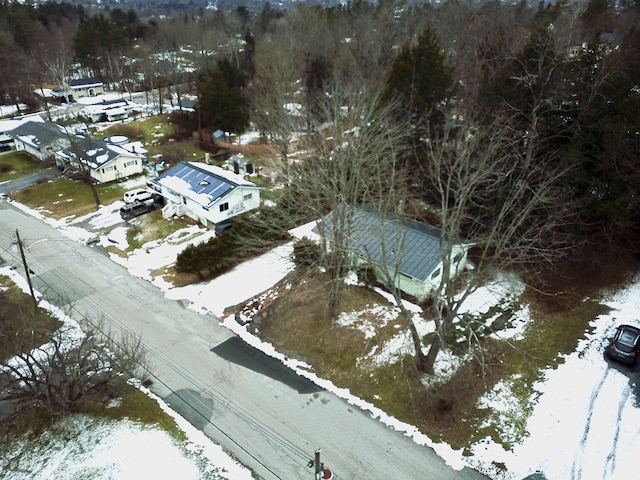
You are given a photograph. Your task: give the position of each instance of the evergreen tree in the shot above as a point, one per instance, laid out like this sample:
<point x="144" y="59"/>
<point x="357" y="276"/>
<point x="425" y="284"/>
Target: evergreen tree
<point x="222" y="101"/>
<point x="419" y="77"/>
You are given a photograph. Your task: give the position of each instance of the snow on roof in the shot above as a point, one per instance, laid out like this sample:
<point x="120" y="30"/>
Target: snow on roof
<point x="12" y="124"/>
<point x="201" y="182"/>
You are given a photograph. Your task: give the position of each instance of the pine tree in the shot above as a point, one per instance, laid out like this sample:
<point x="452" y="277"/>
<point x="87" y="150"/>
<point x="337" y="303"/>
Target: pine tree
<point x="420" y="77"/>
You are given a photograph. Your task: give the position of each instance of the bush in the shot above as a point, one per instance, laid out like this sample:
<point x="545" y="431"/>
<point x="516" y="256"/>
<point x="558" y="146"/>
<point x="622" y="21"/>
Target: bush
<point x="130" y="130"/>
<point x="306" y="253"/>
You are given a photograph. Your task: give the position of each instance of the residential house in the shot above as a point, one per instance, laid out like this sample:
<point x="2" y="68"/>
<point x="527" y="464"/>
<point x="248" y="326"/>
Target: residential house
<point x="40" y="139"/>
<point x="85" y="87"/>
<point x="400" y="250"/>
<point x="106" y="161"/>
<point x="108" y="110"/>
<point x="209" y="194"/>
<point x="6" y="126"/>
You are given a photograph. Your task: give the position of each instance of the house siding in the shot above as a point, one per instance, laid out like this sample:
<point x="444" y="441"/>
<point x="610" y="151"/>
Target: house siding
<point x="413" y="251"/>
<point x="236" y="200"/>
<point x="116" y="169"/>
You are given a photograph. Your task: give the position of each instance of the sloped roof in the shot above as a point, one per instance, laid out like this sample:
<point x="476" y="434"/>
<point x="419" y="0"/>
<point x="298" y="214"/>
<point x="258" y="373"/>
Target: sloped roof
<point x="85" y="82"/>
<point x="201" y="182"/>
<point x="38" y="134"/>
<point x="96" y="153"/>
<point x="411" y="247"/>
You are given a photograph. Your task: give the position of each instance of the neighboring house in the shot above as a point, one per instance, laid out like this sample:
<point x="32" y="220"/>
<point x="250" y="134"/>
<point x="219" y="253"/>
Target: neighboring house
<point x="106" y="161"/>
<point x="108" y="110"/>
<point x="85" y="87"/>
<point x="401" y="250"/>
<point x="6" y="126"/>
<point x="40" y="139"/>
<point x="206" y="193"/>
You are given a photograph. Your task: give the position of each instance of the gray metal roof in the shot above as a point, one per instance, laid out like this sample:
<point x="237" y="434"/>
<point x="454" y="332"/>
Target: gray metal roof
<point x="83" y="82"/>
<point x="410" y="246"/>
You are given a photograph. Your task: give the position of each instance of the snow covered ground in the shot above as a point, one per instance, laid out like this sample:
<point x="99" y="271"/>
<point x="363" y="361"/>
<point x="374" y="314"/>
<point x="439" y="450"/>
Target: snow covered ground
<point x="80" y="446"/>
<point x="584" y="423"/>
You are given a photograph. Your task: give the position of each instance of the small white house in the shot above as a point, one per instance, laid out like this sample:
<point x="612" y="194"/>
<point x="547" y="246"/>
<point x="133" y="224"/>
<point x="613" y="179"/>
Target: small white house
<point x="403" y="251"/>
<point x="206" y="193"/>
<point x="106" y="161"/>
<point x="40" y="139"/>
<point x="108" y="110"/>
<point x="86" y="87"/>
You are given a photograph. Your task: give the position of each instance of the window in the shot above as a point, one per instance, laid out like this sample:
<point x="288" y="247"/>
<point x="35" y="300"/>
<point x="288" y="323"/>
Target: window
<point x="224" y="207"/>
<point x="130" y="163"/>
<point x="457" y="258"/>
<point x="248" y="196"/>
<point x="108" y="169"/>
<point x="435" y="274"/>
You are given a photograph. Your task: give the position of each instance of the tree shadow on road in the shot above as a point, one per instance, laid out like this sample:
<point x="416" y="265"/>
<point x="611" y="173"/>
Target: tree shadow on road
<point x="191" y="405"/>
<point x="237" y="351"/>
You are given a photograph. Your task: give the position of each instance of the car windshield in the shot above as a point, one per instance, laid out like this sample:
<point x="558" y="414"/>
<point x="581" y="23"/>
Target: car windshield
<point x="628" y="338"/>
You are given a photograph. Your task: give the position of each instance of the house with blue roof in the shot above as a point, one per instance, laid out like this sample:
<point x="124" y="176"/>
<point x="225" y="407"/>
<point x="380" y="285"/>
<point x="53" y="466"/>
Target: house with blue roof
<point x="401" y="250"/>
<point x="206" y="193"/>
<point x="86" y="87"/>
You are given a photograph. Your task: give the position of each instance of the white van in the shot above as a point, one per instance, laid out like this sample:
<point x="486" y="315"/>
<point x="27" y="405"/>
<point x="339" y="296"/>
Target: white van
<point x="139" y="194"/>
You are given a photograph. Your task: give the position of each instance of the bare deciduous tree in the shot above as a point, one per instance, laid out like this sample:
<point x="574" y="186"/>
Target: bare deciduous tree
<point x="354" y="161"/>
<point x="60" y="373"/>
<point x="510" y="210"/>
<point x="273" y="98"/>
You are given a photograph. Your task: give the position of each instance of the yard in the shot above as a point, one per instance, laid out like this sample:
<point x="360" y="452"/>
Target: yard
<point x="18" y="164"/>
<point x="365" y="352"/>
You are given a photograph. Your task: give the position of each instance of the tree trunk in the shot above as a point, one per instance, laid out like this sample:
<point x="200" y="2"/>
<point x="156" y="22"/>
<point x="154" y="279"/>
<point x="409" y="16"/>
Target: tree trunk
<point x="430" y="359"/>
<point x="334" y="296"/>
<point x="421" y="359"/>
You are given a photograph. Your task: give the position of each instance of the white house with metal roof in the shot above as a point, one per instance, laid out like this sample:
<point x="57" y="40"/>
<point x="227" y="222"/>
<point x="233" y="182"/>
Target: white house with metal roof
<point x="106" y="161"/>
<point x="109" y="110"/>
<point x="401" y="250"/>
<point x="209" y="194"/>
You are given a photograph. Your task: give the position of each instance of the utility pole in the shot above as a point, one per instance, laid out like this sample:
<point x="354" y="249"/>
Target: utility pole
<point x="321" y="473"/>
<point x="317" y="465"/>
<point x="26" y="269"/>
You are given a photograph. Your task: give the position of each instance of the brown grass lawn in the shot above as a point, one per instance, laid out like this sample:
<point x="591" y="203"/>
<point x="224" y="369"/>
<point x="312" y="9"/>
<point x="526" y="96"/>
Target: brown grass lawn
<point x="298" y="325"/>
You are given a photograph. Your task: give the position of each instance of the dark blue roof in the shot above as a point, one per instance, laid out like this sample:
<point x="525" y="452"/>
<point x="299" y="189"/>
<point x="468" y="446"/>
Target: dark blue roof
<point x="77" y="82"/>
<point x="201" y="180"/>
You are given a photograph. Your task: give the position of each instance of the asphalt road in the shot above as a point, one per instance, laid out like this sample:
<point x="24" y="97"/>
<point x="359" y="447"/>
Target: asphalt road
<point x="269" y="418"/>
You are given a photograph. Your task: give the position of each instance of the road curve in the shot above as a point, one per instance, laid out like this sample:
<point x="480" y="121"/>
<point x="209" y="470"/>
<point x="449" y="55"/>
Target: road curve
<point x="270" y="419"/>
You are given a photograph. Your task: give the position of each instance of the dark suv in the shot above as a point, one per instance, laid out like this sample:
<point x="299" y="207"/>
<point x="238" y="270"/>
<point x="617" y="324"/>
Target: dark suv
<point x="625" y="345"/>
<point x="134" y="209"/>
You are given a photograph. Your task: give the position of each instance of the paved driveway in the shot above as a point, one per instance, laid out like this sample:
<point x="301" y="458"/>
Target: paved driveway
<point x="14" y="185"/>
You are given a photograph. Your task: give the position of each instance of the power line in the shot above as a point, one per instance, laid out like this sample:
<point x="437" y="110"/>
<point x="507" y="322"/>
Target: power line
<point x="255" y="423"/>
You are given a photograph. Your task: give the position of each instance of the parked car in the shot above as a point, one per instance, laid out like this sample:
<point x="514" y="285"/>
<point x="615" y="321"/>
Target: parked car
<point x="139" y="194"/>
<point x="4" y="147"/>
<point x="136" y="208"/>
<point x="624" y="347"/>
